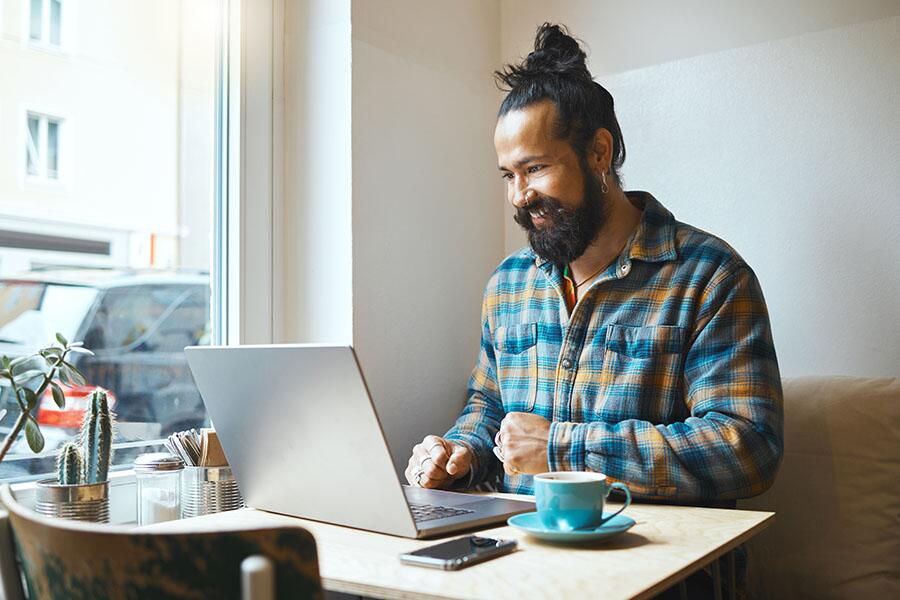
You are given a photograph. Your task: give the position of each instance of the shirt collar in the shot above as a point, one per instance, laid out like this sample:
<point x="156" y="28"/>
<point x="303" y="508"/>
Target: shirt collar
<point x="654" y="238"/>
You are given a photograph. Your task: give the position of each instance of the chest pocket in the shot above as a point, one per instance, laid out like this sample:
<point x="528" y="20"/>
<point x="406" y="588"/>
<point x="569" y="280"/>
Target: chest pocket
<point x="517" y="369"/>
<point x="642" y="373"/>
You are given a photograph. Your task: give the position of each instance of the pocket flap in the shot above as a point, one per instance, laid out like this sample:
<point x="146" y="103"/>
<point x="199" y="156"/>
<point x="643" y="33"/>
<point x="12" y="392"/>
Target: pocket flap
<point x="644" y="342"/>
<point x="514" y="339"/>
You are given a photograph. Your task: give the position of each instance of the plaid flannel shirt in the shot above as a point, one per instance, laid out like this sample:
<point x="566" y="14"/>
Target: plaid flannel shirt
<point x="663" y="377"/>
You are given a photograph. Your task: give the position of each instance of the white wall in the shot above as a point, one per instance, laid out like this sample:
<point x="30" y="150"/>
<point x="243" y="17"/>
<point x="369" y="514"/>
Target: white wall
<point x="427" y="204"/>
<point x="787" y="149"/>
<point x="313" y="274"/>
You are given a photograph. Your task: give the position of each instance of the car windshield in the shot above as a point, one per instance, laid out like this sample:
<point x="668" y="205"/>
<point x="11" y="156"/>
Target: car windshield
<point x="31" y="313"/>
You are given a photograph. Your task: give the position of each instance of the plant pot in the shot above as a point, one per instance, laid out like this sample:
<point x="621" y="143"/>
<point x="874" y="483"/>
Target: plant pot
<point x="79" y="502"/>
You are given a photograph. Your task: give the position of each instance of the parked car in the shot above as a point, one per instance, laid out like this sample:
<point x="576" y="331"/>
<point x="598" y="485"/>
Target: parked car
<point x="136" y="322"/>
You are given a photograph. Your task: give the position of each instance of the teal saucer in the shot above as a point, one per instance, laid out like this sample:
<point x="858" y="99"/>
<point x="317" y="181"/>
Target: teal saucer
<point x="531" y="524"/>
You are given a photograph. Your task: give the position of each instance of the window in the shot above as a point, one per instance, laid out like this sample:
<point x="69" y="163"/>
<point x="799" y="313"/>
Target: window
<point x="147" y="193"/>
<point x="45" y="22"/>
<point x="42" y="146"/>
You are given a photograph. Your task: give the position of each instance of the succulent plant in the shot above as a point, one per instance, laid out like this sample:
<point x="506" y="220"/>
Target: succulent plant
<point x="96" y="438"/>
<point x="28" y="377"/>
<point x="70" y="466"/>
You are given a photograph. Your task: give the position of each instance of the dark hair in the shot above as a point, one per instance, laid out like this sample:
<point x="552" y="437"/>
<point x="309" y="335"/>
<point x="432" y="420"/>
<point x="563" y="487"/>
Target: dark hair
<point x="556" y="71"/>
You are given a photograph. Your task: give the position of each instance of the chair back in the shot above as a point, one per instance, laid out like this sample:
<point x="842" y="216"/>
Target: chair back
<point x="74" y="560"/>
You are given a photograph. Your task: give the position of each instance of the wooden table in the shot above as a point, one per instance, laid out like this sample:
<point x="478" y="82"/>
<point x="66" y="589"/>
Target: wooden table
<point x="667" y="544"/>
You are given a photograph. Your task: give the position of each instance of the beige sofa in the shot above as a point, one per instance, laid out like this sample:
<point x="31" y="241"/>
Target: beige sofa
<point x="837" y="496"/>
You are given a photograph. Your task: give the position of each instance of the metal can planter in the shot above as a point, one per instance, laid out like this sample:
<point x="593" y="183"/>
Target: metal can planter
<point x="207" y="490"/>
<point x="79" y="502"/>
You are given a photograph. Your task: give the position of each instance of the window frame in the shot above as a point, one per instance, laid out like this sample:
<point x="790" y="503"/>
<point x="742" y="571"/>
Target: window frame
<point x="42" y="153"/>
<point x="44" y="43"/>
<point x="248" y="189"/>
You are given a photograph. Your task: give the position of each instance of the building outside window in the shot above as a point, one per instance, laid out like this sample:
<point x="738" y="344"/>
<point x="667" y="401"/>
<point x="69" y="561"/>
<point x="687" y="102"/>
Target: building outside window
<point x="45" y="22"/>
<point x="42" y="146"/>
<point x="119" y="254"/>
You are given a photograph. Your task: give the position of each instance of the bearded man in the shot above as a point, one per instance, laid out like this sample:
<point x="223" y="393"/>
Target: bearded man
<point x="620" y="340"/>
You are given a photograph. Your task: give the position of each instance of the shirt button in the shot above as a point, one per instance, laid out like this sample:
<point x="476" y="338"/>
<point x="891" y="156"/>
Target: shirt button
<point x="625" y="268"/>
<point x="567" y="363"/>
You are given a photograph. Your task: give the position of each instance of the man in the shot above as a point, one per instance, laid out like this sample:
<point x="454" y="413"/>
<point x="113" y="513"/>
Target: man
<point x="621" y="340"/>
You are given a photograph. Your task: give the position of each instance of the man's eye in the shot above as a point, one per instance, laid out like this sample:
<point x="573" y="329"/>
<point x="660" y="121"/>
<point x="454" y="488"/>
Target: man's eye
<point x="535" y="168"/>
<point x="507" y="176"/>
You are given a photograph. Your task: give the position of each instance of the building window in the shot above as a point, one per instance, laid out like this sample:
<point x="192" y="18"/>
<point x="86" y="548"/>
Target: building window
<point x="45" y="24"/>
<point x="120" y="256"/>
<point x="42" y="146"/>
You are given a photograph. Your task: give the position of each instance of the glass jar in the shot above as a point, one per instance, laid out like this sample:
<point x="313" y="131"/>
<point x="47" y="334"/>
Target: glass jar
<point x="158" y="478"/>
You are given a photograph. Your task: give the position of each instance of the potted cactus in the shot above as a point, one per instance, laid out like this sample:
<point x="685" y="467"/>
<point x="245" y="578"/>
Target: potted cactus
<point x="81" y="489"/>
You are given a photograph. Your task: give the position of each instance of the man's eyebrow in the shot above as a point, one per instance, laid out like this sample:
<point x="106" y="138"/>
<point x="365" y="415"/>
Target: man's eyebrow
<point x="525" y="161"/>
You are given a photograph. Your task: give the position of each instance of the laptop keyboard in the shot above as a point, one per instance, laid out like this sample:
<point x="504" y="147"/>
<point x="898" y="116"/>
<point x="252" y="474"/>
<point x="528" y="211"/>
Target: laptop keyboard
<point x="429" y="512"/>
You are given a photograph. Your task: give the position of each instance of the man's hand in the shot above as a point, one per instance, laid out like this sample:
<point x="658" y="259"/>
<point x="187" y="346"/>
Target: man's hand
<point x="523" y="443"/>
<point x="440" y="460"/>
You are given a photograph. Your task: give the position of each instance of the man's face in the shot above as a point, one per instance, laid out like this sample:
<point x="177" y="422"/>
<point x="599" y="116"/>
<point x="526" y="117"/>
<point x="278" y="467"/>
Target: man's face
<point x="557" y="199"/>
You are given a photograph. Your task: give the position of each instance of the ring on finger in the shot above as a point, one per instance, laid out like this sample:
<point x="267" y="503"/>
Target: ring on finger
<point x="417" y="475"/>
<point x="438" y="445"/>
<point x="422" y="464"/>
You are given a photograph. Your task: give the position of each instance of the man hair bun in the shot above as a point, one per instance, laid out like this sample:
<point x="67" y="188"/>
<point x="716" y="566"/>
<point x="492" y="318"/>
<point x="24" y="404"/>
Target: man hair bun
<point x="555" y="53"/>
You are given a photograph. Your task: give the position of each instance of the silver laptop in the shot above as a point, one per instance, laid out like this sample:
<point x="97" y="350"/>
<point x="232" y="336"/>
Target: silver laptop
<point x="300" y="431"/>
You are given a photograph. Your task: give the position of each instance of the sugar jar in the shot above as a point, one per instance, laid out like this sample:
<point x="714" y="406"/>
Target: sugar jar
<point x="158" y="476"/>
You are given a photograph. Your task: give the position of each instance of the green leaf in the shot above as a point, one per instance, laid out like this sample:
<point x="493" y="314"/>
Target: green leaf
<point x="61" y="339"/>
<point x="33" y="436"/>
<point x="30" y="398"/>
<point x="73" y="374"/>
<point x="51" y="351"/>
<point x="6" y="362"/>
<point x="26" y="376"/>
<point x="81" y="350"/>
<point x="63" y="376"/>
<point x="58" y="396"/>
<point x="18" y="361"/>
<point x="75" y="345"/>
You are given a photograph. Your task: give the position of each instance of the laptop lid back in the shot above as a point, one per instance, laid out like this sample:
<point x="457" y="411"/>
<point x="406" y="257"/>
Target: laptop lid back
<point x="299" y="430"/>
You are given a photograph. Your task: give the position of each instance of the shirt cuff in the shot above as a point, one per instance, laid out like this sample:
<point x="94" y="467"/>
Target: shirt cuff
<point x="566" y="446"/>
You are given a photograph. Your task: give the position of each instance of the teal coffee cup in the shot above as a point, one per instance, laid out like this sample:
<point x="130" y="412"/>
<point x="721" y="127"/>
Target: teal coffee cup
<point x="568" y="500"/>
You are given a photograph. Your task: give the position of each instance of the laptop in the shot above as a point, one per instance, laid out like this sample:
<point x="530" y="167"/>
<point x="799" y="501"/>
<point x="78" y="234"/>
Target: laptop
<point x="302" y="436"/>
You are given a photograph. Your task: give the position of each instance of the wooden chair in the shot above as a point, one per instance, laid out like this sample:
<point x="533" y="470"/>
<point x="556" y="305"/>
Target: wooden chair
<point x="73" y="560"/>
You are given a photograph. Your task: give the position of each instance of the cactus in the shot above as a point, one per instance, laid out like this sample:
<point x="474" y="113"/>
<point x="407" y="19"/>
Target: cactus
<point x="96" y="438"/>
<point x="70" y="464"/>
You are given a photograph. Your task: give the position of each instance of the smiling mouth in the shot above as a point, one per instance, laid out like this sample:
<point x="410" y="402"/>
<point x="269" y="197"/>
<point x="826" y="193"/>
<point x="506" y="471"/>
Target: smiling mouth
<point x="540" y="213"/>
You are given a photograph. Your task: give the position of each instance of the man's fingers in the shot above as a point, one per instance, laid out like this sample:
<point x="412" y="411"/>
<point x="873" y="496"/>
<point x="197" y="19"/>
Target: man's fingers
<point x="459" y="461"/>
<point x="439" y="455"/>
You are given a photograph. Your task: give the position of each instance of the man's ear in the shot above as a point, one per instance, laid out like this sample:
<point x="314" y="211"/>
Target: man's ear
<point x="599" y="156"/>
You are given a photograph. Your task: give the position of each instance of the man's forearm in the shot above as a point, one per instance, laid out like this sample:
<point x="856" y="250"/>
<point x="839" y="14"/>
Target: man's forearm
<point x="702" y="458"/>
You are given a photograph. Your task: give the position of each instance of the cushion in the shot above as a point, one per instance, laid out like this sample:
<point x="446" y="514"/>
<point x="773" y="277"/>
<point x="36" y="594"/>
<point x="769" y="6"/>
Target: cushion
<point x="837" y="496"/>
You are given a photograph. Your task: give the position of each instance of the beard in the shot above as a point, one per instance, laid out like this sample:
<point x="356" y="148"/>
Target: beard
<point x="568" y="232"/>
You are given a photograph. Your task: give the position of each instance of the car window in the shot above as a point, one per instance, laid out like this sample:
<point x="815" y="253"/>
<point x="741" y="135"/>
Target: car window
<point x="137" y="318"/>
<point x="32" y="313"/>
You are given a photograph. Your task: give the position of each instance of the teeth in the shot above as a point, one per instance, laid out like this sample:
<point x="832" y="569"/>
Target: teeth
<point x="538" y="213"/>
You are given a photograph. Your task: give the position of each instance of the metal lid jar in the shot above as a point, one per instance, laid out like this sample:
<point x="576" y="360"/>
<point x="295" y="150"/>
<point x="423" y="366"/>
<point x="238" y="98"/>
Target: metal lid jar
<point x="158" y="476"/>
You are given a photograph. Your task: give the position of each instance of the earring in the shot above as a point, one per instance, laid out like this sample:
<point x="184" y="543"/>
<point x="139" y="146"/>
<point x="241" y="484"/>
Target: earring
<point x="603" y="187"/>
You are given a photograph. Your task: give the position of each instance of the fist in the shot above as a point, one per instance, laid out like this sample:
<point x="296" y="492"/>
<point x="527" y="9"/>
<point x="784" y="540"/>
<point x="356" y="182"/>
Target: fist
<point x="442" y="462"/>
<point x="522" y="442"/>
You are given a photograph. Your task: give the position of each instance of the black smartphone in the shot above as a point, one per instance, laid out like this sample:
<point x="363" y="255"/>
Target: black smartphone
<point x="459" y="553"/>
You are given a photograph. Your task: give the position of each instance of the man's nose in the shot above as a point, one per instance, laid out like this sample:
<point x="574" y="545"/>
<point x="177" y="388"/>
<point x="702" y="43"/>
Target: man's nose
<point x="522" y="196"/>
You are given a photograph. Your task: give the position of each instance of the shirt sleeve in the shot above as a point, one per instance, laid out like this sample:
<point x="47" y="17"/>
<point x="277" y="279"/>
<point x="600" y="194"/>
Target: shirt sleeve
<point x="731" y="444"/>
<point x="480" y="419"/>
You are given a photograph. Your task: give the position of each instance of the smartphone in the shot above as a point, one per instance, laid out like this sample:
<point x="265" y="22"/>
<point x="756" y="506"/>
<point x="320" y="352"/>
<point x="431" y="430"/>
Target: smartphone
<point x="459" y="553"/>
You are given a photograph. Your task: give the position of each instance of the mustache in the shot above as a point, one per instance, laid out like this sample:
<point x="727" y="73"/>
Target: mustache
<point x="523" y="218"/>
